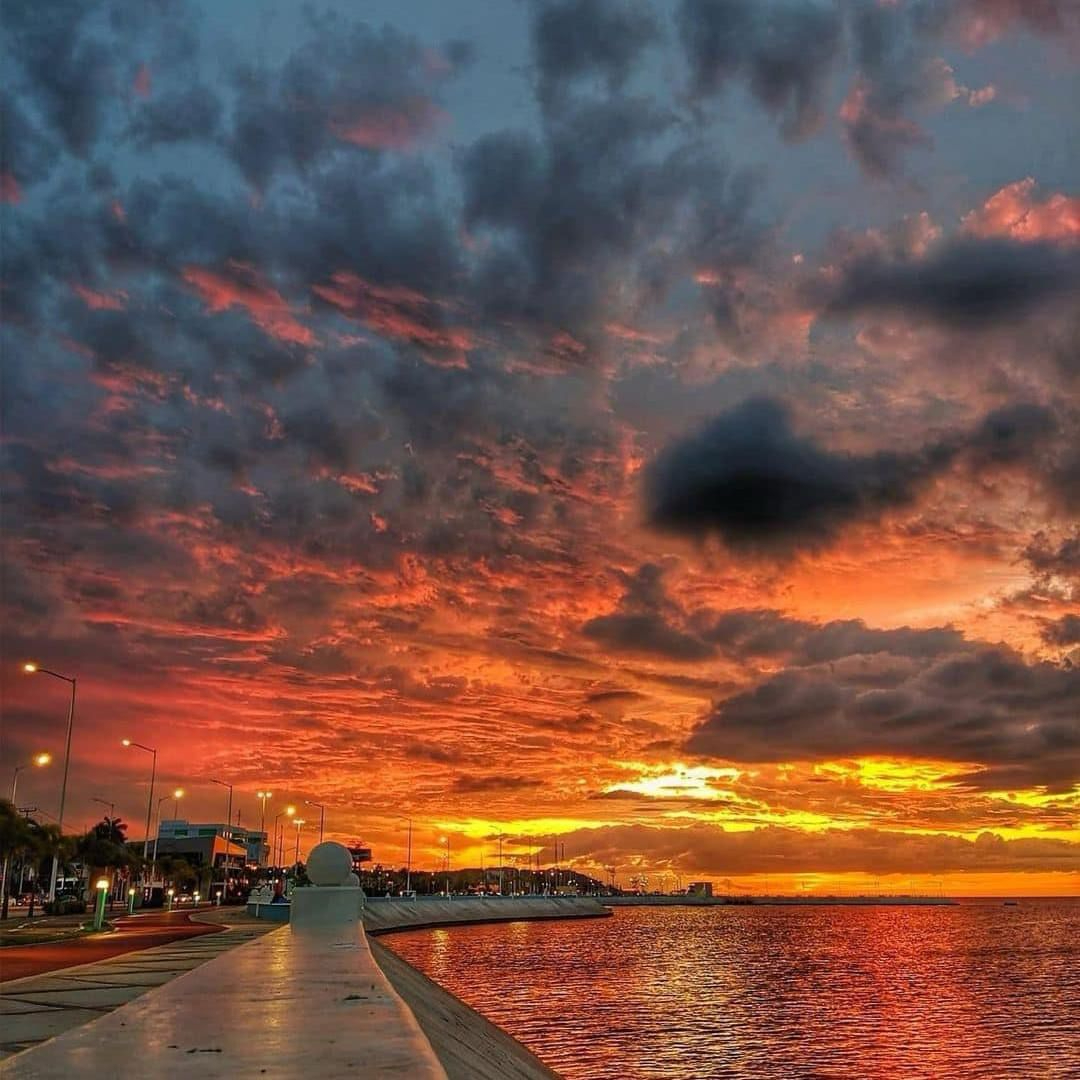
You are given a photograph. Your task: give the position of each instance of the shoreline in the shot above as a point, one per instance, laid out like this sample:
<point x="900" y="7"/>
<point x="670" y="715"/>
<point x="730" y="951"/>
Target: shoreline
<point x="466" y="1043"/>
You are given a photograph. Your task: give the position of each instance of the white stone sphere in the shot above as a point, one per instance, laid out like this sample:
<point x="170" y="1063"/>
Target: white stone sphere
<point x="329" y="864"/>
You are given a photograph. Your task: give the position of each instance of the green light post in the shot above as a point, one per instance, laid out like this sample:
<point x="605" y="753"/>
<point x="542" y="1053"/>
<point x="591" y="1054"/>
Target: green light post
<point x="131" y="901"/>
<point x="169" y="898"/>
<point x="99" y="909"/>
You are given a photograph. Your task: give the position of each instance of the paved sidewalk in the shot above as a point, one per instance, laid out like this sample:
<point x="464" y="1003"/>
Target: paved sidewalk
<point x="42" y="1006"/>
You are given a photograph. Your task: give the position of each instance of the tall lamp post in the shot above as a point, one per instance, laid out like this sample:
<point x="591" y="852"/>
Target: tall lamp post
<point x="228" y="840"/>
<point x="112" y="809"/>
<point x="446" y="840"/>
<point x="408" y="856"/>
<point x="150" y="799"/>
<point x="322" y="817"/>
<point x="33" y="669"/>
<point x="279" y="845"/>
<point x="176" y="796"/>
<point x="299" y="823"/>
<point x="263" y="797"/>
<point x="40" y="760"/>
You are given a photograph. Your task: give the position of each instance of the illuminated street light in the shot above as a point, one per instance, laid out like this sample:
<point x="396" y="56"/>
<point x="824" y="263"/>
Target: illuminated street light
<point x="299" y="823"/>
<point x="176" y="796"/>
<point x="150" y="799"/>
<point x="279" y="846"/>
<point x="263" y="797"/>
<point x="33" y="669"/>
<point x="228" y="834"/>
<point x="322" y="817"/>
<point x="38" y="761"/>
<point x="408" y="856"/>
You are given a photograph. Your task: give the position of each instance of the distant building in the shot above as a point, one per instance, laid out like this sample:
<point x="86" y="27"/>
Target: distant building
<point x="360" y="855"/>
<point x="177" y="836"/>
<point x="699" y="888"/>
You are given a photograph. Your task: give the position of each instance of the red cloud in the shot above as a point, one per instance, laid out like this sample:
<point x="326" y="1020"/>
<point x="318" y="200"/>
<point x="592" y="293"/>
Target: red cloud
<point x="141" y="83"/>
<point x="243" y="287"/>
<point x="396" y="126"/>
<point x="100" y="301"/>
<point x="1013" y="212"/>
<point x="10" y="192"/>
<point x="399" y="313"/>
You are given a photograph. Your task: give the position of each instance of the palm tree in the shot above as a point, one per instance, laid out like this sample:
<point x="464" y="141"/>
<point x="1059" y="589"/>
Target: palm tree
<point x="16" y="839"/>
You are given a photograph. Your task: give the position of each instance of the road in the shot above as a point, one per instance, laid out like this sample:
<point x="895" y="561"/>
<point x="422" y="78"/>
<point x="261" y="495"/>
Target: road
<point x="133" y="932"/>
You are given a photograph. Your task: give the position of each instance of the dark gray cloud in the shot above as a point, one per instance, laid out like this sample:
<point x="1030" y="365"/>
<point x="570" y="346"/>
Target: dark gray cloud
<point x="1061" y="559"/>
<point x="646" y="634"/>
<point x="190" y="113"/>
<point x="760" y="633"/>
<point x="766" y="490"/>
<point x="983" y="705"/>
<point x="784" y="50"/>
<point x="584" y="39"/>
<point x="646" y="621"/>
<point x="347" y="86"/>
<point x="763" y="489"/>
<point x="1065" y="631"/>
<point x="965" y="282"/>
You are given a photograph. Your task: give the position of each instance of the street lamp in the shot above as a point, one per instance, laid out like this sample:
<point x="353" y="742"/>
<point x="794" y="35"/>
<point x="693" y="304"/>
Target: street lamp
<point x="322" y="816"/>
<point x="110" y="805"/>
<point x="150" y="798"/>
<point x="228" y="834"/>
<point x="176" y="796"/>
<point x="40" y="760"/>
<point x="299" y="823"/>
<point x="33" y="669"/>
<point x="263" y="797"/>
<point x="279" y="846"/>
<point x="446" y="840"/>
<point x="408" y="857"/>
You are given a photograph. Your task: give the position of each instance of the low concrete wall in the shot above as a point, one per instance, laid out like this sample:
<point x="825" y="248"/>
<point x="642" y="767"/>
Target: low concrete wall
<point x="382" y="915"/>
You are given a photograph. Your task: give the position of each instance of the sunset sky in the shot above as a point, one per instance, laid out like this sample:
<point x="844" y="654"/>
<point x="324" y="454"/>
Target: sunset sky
<point x="651" y="425"/>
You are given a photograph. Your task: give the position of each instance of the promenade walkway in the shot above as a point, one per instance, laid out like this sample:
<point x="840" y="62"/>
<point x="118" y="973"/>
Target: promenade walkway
<point x="133" y="932"/>
<point x="41" y="1006"/>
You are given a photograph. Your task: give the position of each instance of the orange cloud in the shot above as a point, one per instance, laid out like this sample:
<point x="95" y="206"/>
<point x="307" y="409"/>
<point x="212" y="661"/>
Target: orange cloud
<point x="101" y="301"/>
<point x="399" y="313"/>
<point x="1014" y="211"/>
<point x="242" y="287"/>
<point x="397" y="126"/>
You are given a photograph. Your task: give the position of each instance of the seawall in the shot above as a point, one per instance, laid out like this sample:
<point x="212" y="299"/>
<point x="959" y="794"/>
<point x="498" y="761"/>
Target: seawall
<point x="468" y="1046"/>
<point x="382" y="915"/>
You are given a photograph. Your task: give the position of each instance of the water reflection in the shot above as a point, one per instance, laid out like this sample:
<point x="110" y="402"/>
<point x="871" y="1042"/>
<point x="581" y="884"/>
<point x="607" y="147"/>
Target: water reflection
<point x="976" y="990"/>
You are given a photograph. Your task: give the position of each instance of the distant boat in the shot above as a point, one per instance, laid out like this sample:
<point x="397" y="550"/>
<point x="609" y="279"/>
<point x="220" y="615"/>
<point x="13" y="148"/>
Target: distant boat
<point x="1012" y="903"/>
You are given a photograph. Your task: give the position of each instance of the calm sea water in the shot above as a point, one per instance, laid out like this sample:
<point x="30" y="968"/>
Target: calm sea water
<point x="977" y="990"/>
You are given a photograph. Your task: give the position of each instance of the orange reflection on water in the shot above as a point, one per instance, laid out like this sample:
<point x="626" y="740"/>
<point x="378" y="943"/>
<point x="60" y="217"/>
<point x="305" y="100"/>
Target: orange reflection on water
<point x="976" y="990"/>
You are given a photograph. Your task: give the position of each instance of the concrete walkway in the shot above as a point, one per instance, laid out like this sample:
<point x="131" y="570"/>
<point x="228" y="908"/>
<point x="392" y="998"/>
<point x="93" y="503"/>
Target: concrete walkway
<point x="42" y="1006"/>
<point x="294" y="1003"/>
